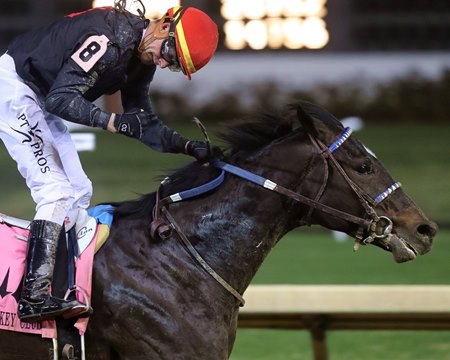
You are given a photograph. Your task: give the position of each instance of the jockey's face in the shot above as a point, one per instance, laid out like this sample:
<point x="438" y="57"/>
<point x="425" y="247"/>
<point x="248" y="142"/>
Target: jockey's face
<point x="152" y="55"/>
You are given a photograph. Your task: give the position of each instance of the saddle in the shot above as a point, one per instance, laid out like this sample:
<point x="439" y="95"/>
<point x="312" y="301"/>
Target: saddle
<point x="85" y="234"/>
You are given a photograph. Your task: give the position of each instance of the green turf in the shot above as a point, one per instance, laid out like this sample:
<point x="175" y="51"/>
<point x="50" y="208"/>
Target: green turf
<point x="310" y="256"/>
<point x="419" y="157"/>
<point x="343" y="345"/>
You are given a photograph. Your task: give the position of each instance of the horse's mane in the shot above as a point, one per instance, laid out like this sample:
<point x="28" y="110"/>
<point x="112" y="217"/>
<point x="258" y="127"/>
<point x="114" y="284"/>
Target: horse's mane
<point x="251" y="135"/>
<point x="241" y="139"/>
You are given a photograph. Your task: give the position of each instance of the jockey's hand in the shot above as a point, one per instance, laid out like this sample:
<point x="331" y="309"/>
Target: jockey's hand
<point x="200" y="150"/>
<point x="131" y="124"/>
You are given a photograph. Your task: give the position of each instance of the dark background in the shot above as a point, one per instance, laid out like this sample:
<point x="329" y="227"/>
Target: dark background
<point x="354" y="25"/>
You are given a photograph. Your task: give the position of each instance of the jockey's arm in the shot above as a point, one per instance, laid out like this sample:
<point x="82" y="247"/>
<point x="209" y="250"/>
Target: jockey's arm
<point x="66" y="99"/>
<point x="73" y="89"/>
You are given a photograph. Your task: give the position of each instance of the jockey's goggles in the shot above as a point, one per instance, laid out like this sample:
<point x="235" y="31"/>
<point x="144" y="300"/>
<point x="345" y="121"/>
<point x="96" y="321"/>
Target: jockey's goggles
<point x="169" y="53"/>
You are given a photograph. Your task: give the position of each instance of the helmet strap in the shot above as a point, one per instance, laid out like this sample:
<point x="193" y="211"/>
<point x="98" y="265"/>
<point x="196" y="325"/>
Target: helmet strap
<point x="156" y="34"/>
<point x="175" y="20"/>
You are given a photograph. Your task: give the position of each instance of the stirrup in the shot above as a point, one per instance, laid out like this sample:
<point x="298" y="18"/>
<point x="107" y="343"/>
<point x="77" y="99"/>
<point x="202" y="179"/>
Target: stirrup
<point x="84" y="308"/>
<point x="47" y="309"/>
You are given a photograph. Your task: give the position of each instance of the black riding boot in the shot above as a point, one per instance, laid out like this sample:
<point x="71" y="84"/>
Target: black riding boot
<point x="36" y="303"/>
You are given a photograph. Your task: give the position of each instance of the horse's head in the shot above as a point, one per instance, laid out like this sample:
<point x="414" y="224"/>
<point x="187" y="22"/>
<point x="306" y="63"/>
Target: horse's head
<point x="349" y="178"/>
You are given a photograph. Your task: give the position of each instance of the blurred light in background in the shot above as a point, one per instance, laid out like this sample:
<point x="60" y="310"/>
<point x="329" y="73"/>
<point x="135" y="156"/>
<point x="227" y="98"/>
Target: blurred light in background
<point x="154" y="9"/>
<point x="274" y="24"/>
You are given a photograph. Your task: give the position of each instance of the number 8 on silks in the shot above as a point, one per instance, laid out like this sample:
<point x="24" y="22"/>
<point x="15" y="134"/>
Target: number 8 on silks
<point x="91" y="51"/>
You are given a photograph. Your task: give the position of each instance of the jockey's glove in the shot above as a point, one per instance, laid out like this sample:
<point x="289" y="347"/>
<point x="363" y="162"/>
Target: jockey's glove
<point x="202" y="152"/>
<point x="152" y="132"/>
<point x="131" y="124"/>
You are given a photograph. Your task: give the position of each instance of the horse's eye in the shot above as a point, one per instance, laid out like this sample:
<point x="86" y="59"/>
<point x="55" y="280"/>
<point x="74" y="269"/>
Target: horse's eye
<point x="365" y="167"/>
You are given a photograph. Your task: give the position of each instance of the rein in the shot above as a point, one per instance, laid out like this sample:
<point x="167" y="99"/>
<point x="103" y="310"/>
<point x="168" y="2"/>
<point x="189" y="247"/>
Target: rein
<point x="159" y="227"/>
<point x="377" y="227"/>
<point x="256" y="179"/>
<point x="199" y="258"/>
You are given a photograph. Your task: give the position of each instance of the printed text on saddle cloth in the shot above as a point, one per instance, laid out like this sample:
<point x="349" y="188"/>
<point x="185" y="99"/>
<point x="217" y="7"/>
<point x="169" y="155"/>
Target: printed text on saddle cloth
<point x="12" y="267"/>
<point x="13" y="249"/>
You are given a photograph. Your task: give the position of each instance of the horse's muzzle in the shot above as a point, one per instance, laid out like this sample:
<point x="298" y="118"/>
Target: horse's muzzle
<point x="406" y="247"/>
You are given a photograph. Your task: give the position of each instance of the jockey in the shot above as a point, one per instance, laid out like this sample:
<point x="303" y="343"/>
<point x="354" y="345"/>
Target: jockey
<point x="56" y="73"/>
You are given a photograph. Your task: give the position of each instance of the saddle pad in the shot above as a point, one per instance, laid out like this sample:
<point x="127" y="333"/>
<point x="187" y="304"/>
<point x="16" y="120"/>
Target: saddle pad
<point x="85" y="226"/>
<point x="13" y="247"/>
<point x="24" y="224"/>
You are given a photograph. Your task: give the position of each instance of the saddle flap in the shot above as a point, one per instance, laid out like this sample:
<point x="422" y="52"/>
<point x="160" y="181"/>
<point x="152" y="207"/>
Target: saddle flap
<point x="85" y="233"/>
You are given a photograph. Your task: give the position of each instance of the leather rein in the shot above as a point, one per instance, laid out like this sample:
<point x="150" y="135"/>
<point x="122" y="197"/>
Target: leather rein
<point x="376" y="227"/>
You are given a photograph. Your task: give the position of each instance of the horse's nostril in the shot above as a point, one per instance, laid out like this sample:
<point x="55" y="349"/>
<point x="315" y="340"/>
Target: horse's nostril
<point x="427" y="229"/>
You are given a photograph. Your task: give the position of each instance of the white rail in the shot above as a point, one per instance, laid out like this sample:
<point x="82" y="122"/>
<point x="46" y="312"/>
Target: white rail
<point x="318" y="308"/>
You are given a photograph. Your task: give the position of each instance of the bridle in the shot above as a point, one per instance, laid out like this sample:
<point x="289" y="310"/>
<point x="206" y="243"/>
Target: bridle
<point x="370" y="226"/>
<point x="376" y="227"/>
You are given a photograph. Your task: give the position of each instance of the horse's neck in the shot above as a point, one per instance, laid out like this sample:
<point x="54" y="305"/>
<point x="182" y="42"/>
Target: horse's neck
<point x="239" y="229"/>
<point x="241" y="222"/>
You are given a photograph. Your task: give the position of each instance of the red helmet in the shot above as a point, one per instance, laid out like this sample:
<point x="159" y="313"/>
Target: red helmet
<point x="196" y="37"/>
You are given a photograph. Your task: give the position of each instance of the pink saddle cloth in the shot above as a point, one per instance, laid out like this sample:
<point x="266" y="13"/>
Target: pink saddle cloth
<point x="13" y="248"/>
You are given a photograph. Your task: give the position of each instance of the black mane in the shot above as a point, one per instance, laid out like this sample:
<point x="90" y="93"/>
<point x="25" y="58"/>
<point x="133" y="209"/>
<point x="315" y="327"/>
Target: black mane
<point x="241" y="139"/>
<point x="251" y="135"/>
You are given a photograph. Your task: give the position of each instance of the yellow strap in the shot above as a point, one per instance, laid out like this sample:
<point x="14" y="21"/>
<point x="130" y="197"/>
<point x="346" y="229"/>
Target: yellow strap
<point x="102" y="235"/>
<point x="184" y="48"/>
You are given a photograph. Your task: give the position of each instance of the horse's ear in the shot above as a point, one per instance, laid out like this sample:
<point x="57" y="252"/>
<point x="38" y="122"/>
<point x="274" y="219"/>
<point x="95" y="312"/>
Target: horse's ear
<point x="306" y="120"/>
<point x="317" y="121"/>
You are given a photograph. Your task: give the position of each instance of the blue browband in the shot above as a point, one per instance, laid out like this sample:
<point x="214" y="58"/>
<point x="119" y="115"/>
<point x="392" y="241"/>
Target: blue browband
<point x="345" y="135"/>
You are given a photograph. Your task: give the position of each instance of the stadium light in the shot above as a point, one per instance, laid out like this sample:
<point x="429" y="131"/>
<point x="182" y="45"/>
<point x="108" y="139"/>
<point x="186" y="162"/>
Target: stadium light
<point x="274" y="24"/>
<point x="256" y="34"/>
<point x="235" y="39"/>
<point x="154" y="9"/>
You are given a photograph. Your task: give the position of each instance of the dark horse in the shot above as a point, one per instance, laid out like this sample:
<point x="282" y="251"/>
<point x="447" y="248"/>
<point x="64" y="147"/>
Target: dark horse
<point x="154" y="300"/>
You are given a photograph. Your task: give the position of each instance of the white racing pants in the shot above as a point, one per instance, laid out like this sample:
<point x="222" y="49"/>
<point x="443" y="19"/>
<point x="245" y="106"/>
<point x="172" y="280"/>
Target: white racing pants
<point x="41" y="145"/>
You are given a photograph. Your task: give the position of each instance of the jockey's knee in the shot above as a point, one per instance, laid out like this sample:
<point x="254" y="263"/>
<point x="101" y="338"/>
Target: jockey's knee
<point x="83" y="194"/>
<point x="53" y="204"/>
